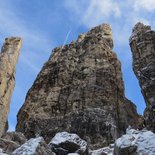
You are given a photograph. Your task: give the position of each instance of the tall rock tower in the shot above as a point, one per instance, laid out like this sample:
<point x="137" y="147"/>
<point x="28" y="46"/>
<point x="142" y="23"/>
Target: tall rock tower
<point x="8" y="59"/>
<point x="80" y="90"/>
<point x="142" y="43"/>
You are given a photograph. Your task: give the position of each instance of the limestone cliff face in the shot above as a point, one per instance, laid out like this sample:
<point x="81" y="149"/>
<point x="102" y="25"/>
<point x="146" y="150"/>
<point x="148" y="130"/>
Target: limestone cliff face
<point x="142" y="44"/>
<point x="79" y="90"/>
<point x="8" y="59"/>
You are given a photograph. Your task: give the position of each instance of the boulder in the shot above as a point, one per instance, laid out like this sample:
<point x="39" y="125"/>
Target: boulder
<point x="142" y="43"/>
<point x="135" y="143"/>
<point x="34" y="146"/>
<point x="64" y="143"/>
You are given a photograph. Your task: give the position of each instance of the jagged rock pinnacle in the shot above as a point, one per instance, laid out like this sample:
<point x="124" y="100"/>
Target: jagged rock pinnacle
<point x="80" y="90"/>
<point x="103" y="30"/>
<point x="8" y="59"/>
<point x="142" y="43"/>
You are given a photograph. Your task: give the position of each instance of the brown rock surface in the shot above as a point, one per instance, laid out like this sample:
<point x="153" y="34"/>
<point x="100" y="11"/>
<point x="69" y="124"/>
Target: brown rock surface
<point x="8" y="59"/>
<point x="79" y="90"/>
<point x="8" y="146"/>
<point x="142" y="44"/>
<point x="11" y="141"/>
<point x="17" y="137"/>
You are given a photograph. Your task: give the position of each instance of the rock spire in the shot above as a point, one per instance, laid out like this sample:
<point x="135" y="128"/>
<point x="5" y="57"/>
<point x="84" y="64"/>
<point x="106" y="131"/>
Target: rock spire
<point x="80" y="90"/>
<point x="142" y="43"/>
<point x="8" y="60"/>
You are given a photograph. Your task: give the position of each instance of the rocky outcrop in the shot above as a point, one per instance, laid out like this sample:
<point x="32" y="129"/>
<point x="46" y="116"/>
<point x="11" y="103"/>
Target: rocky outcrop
<point x="142" y="42"/>
<point x="8" y="59"/>
<point x="80" y="90"/>
<point x="135" y="143"/>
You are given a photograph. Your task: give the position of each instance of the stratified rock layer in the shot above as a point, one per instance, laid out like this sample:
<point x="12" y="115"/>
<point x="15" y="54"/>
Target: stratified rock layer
<point x="8" y="59"/>
<point x="142" y="44"/>
<point x="80" y="90"/>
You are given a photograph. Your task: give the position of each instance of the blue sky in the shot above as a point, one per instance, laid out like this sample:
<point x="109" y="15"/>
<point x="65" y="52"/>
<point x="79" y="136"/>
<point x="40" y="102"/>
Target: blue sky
<point x="45" y="24"/>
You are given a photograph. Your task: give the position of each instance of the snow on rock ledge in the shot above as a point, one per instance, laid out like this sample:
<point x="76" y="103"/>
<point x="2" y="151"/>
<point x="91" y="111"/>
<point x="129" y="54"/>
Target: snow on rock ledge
<point x="136" y="143"/>
<point x="2" y="153"/>
<point x="104" y="151"/>
<point x="67" y="143"/>
<point x="35" y="146"/>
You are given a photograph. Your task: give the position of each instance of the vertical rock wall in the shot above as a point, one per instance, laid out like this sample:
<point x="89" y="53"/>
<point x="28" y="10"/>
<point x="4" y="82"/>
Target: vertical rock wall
<point x="8" y="59"/>
<point x="80" y="90"/>
<point x="142" y="43"/>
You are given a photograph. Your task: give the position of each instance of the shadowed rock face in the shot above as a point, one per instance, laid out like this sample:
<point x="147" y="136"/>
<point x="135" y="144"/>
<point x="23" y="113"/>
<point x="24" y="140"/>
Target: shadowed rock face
<point x="142" y="44"/>
<point x="8" y="59"/>
<point x="79" y="90"/>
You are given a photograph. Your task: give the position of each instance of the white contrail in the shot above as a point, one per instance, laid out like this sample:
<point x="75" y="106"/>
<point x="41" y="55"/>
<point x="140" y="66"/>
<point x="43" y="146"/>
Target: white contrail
<point x="67" y="37"/>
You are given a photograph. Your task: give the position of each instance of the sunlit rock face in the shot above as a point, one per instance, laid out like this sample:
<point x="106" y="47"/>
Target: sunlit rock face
<point x="142" y="44"/>
<point x="8" y="60"/>
<point x="80" y="90"/>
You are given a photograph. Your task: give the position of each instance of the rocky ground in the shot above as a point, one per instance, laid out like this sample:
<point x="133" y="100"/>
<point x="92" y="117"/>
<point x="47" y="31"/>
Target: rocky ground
<point x="134" y="142"/>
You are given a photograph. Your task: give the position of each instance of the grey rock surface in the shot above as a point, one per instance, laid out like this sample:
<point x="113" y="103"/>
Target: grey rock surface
<point x="135" y="143"/>
<point x="8" y="60"/>
<point x="11" y="141"/>
<point x="34" y="146"/>
<point x="8" y="146"/>
<point x="65" y="143"/>
<point x="109" y="150"/>
<point x="142" y="43"/>
<point x="2" y="152"/>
